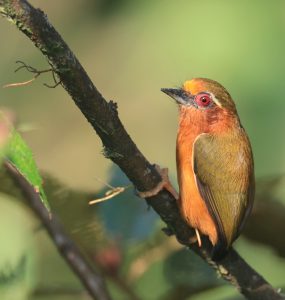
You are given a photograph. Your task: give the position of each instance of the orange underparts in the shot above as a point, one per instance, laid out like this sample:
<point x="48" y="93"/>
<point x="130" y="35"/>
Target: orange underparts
<point x="192" y="206"/>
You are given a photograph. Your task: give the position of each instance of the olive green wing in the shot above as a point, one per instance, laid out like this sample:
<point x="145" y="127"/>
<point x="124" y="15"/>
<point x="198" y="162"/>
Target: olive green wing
<point x="223" y="166"/>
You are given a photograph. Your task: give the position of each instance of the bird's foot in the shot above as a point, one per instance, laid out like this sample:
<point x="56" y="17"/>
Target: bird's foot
<point x="164" y="184"/>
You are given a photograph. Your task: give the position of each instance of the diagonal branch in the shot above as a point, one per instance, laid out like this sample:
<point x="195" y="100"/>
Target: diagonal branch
<point x="119" y="147"/>
<point x="90" y="278"/>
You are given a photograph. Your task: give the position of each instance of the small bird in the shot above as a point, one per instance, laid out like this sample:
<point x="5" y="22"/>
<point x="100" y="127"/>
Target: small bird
<point x="214" y="163"/>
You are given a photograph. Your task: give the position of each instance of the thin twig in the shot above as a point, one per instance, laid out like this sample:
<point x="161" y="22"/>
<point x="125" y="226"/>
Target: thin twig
<point x="113" y="192"/>
<point x="92" y="280"/>
<point x="37" y="73"/>
<point x="16" y="84"/>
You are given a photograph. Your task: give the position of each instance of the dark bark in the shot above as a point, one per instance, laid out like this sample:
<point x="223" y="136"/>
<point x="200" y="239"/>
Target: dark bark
<point x="119" y="147"/>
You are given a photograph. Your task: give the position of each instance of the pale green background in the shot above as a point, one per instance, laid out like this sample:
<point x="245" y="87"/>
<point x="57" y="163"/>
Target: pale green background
<point x="132" y="51"/>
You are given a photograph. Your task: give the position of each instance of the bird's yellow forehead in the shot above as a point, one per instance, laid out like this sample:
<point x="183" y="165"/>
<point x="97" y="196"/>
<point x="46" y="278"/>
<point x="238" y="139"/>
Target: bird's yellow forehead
<point x="194" y="86"/>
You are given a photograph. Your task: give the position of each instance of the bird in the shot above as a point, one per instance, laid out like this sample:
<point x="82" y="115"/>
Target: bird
<point x="215" y="167"/>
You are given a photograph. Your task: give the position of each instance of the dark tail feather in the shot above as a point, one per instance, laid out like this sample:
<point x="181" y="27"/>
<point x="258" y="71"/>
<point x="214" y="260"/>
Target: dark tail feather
<point x="220" y="250"/>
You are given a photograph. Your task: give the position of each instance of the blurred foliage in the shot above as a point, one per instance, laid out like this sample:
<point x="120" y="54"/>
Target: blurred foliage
<point x="18" y="250"/>
<point x="144" y="263"/>
<point x="126" y="217"/>
<point x="271" y="210"/>
<point x="184" y="265"/>
<point x="106" y="8"/>
<point x="131" y="49"/>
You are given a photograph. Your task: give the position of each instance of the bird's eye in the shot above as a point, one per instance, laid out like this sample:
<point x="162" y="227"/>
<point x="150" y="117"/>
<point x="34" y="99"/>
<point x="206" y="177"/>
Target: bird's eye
<point x="203" y="100"/>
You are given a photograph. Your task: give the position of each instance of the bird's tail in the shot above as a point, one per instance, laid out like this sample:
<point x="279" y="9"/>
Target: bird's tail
<point x="220" y="250"/>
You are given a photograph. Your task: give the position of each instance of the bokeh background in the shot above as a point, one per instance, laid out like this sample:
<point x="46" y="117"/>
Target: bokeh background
<point x="131" y="49"/>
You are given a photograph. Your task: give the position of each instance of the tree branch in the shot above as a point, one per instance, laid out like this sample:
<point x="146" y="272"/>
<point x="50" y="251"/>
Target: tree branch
<point x="92" y="280"/>
<point x="119" y="147"/>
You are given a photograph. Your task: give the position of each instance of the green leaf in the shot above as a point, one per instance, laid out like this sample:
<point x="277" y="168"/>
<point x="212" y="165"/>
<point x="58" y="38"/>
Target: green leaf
<point x="20" y="155"/>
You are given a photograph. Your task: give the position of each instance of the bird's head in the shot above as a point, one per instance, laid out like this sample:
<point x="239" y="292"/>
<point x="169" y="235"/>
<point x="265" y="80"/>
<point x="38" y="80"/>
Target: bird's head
<point x="202" y="93"/>
<point x="204" y="100"/>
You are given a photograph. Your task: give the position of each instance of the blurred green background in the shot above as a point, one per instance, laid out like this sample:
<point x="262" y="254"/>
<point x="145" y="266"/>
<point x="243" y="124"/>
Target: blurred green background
<point x="131" y="49"/>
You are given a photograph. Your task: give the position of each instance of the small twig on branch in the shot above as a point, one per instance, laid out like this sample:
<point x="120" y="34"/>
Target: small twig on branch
<point x="119" y="147"/>
<point x="108" y="195"/>
<point x="34" y="71"/>
<point x="113" y="192"/>
<point x="92" y="280"/>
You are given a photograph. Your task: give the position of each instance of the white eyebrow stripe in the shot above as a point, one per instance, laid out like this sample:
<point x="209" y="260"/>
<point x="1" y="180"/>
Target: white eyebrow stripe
<point x="216" y="100"/>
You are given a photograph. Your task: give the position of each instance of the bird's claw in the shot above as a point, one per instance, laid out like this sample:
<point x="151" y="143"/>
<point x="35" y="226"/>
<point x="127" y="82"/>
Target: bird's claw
<point x="164" y="184"/>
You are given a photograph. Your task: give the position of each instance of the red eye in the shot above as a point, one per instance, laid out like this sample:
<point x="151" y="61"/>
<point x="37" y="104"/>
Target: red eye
<point x="203" y="100"/>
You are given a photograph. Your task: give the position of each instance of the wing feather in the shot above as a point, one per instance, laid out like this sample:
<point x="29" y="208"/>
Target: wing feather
<point x="223" y="167"/>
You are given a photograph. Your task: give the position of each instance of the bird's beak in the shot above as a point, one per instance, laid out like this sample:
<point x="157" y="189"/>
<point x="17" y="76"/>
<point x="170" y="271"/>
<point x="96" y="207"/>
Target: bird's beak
<point x="179" y="95"/>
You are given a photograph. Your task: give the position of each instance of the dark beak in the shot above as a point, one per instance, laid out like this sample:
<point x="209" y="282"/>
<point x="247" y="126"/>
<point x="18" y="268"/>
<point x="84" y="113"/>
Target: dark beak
<point x="179" y="95"/>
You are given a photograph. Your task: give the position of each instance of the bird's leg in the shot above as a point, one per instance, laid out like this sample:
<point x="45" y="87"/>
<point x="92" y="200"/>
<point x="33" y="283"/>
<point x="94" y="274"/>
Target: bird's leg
<point x="164" y="184"/>
<point x="198" y="237"/>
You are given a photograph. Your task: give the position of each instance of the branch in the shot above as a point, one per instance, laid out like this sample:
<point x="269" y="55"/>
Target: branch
<point x="92" y="281"/>
<point x="120" y="148"/>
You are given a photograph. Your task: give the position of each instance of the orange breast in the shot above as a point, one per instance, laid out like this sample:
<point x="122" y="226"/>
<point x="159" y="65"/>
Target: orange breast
<point x="192" y="206"/>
